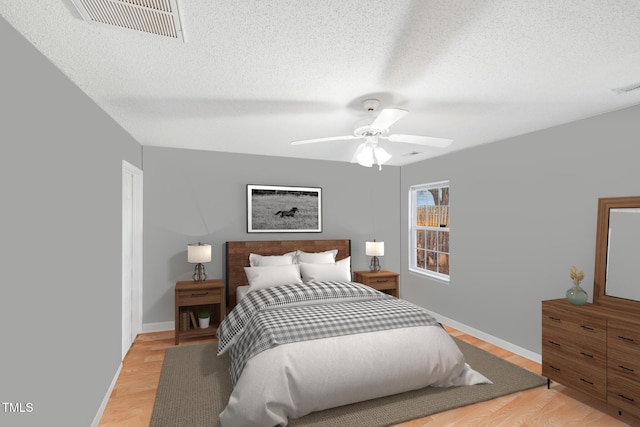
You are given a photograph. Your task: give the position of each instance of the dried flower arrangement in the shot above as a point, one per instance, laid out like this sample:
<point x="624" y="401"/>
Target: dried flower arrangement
<point x="576" y="276"/>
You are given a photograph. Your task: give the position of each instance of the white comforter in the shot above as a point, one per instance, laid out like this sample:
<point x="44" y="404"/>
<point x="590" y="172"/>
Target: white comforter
<point x="292" y="380"/>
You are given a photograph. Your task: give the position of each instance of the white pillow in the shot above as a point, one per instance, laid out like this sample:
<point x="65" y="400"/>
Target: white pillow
<point x="340" y="270"/>
<point x="326" y="257"/>
<point x="256" y="260"/>
<point x="241" y="292"/>
<point x="272" y="275"/>
<point x="293" y="255"/>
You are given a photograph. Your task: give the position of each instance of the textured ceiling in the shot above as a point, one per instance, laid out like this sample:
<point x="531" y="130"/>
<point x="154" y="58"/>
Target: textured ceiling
<point x="253" y="76"/>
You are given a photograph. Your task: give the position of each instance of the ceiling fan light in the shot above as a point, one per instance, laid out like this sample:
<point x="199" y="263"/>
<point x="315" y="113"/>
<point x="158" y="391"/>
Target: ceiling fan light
<point x="381" y="155"/>
<point x="365" y="156"/>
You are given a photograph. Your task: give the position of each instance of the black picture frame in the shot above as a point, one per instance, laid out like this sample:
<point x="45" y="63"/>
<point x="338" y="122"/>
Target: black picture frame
<point x="284" y="209"/>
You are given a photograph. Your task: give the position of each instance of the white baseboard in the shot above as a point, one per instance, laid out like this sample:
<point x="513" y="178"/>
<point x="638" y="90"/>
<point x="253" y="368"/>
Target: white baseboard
<point x="105" y="400"/>
<point x="158" y="327"/>
<point x="488" y="338"/>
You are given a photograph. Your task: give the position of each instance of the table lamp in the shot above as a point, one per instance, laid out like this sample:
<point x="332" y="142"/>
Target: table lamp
<point x="199" y="253"/>
<point x="374" y="249"/>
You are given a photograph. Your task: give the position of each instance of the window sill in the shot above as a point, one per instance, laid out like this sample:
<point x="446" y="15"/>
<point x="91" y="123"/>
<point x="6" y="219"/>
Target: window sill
<point x="439" y="279"/>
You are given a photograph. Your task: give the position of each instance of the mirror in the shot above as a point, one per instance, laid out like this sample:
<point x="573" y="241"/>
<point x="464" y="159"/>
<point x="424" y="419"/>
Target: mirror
<point x="624" y="253"/>
<point x="617" y="277"/>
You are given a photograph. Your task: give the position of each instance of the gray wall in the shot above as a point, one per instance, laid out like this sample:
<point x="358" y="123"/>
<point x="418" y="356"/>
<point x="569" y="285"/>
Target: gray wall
<point x="60" y="306"/>
<point x="523" y="211"/>
<point x="192" y="196"/>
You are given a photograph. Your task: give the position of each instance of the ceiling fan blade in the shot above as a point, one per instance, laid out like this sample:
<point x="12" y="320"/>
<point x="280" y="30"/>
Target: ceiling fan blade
<point x="387" y="117"/>
<point x="421" y="140"/>
<point x="331" y="138"/>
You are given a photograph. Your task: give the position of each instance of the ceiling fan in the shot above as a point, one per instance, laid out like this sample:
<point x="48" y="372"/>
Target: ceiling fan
<point x="373" y="128"/>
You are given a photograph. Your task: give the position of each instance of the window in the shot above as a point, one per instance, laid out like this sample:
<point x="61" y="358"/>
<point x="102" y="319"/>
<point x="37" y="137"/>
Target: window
<point x="429" y="229"/>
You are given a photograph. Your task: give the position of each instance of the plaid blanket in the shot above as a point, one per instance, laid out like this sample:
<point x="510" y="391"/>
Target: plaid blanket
<point x="269" y="328"/>
<point x="233" y="325"/>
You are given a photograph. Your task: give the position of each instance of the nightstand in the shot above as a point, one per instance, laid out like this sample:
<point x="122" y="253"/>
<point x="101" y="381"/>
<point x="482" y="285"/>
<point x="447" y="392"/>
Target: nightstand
<point x="383" y="280"/>
<point x="191" y="296"/>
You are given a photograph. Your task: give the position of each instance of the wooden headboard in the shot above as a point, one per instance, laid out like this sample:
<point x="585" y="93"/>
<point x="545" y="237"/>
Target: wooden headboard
<point x="238" y="257"/>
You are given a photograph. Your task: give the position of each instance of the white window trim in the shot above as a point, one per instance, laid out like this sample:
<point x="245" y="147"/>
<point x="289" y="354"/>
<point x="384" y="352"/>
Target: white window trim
<point x="434" y="275"/>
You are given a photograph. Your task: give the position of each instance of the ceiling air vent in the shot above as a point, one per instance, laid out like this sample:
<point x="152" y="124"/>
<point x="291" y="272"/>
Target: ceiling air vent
<point x="628" y="88"/>
<point x="158" y="17"/>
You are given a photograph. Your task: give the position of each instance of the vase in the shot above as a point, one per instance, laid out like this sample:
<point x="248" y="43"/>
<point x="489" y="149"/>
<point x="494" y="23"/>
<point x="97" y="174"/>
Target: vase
<point x="576" y="295"/>
<point x="203" y="322"/>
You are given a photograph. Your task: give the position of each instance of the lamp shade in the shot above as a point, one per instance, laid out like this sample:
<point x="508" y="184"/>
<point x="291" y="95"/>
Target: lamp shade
<point x="381" y="155"/>
<point x="364" y="155"/>
<point x="198" y="253"/>
<point x="374" y="248"/>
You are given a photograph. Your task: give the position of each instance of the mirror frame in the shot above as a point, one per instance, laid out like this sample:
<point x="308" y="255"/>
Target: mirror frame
<point x="600" y="297"/>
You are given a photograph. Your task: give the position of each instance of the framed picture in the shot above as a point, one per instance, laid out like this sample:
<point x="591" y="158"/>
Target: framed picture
<point x="278" y="209"/>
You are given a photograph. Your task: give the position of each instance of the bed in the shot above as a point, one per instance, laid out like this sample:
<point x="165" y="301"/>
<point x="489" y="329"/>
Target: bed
<point x="303" y="337"/>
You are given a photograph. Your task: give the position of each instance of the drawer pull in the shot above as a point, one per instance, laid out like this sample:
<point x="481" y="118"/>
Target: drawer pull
<point x="624" y="368"/>
<point x="554" y="343"/>
<point x="586" y="381"/>
<point x="555" y="319"/>
<point x="586" y="354"/>
<point x="554" y="368"/>
<point x="628" y="399"/>
<point x="587" y="328"/>
<point x="200" y="294"/>
<point x="625" y="339"/>
<point x="382" y="280"/>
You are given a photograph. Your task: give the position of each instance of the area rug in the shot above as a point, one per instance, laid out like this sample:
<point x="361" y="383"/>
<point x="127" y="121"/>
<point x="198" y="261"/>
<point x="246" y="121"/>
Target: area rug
<point x="195" y="386"/>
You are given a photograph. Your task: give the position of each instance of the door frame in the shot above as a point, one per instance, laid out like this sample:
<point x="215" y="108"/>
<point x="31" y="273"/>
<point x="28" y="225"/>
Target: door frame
<point x="131" y="232"/>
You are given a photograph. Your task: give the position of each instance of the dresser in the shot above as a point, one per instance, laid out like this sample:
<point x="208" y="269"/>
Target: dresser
<point x="593" y="349"/>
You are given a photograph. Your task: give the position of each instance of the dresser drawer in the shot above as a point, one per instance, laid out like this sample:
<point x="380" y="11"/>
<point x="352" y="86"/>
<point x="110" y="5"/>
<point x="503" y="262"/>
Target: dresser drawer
<point x="624" y="337"/>
<point x="624" y="364"/>
<point x="381" y="283"/>
<point x="623" y="393"/>
<point x="587" y="326"/>
<point x="593" y="355"/>
<point x="584" y="376"/>
<point x="196" y="297"/>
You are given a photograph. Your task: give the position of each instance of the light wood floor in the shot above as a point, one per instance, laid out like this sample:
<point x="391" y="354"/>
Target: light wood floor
<point x="131" y="401"/>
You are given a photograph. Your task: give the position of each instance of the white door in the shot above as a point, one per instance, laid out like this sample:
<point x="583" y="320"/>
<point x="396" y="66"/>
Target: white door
<point x="131" y="254"/>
